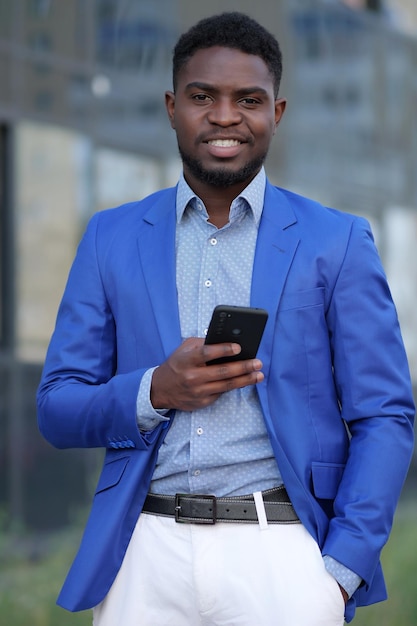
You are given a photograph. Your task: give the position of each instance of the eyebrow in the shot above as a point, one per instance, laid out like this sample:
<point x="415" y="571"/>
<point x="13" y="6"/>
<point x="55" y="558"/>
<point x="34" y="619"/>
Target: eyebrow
<point x="244" y="91"/>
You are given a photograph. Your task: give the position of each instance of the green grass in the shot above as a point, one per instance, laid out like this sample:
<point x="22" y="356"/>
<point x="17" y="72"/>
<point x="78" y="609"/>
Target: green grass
<point x="399" y="560"/>
<point x="29" y="585"/>
<point x="32" y="571"/>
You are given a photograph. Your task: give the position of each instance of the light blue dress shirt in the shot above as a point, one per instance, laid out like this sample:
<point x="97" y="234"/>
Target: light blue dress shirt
<point x="223" y="449"/>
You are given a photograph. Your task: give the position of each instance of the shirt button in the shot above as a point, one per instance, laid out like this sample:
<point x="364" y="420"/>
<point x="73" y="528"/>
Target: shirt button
<point x="213" y="241"/>
<point x="207" y="283"/>
<point x="197" y="473"/>
<point x="200" y="431"/>
<point x="205" y="331"/>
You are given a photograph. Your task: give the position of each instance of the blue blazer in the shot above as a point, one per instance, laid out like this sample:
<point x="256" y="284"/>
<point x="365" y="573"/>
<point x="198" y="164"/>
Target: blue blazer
<point x="336" y="398"/>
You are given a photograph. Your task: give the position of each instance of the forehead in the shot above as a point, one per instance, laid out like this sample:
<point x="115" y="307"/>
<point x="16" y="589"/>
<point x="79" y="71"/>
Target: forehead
<point x="218" y="65"/>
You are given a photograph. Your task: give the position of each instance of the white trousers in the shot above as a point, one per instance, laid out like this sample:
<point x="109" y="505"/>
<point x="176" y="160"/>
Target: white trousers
<point x="223" y="575"/>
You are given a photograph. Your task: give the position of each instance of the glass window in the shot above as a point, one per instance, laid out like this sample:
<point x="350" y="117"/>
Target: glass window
<point x="6" y="15"/>
<point x="2" y="234"/>
<point x="123" y="177"/>
<point x="49" y="198"/>
<point x="400" y="254"/>
<point x="39" y="8"/>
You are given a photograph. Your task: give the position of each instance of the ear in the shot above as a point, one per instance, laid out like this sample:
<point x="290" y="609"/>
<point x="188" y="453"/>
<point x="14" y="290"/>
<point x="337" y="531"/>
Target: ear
<point x="170" y="107"/>
<point x="280" y="105"/>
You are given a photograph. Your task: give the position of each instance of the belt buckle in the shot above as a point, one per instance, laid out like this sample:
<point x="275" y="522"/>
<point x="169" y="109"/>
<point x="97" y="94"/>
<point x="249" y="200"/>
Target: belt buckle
<point x="195" y="520"/>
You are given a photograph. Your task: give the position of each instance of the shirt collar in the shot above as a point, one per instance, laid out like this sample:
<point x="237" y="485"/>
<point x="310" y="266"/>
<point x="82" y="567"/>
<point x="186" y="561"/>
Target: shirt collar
<point x="253" y="194"/>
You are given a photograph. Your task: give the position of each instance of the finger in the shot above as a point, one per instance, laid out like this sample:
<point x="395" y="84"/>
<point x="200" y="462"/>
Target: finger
<point x="219" y="350"/>
<point x="238" y="382"/>
<point x="201" y="397"/>
<point x="233" y="369"/>
<point x="219" y="386"/>
<point x="191" y="348"/>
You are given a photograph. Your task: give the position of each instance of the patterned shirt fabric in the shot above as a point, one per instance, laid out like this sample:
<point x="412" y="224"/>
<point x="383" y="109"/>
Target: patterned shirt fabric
<point x="223" y="449"/>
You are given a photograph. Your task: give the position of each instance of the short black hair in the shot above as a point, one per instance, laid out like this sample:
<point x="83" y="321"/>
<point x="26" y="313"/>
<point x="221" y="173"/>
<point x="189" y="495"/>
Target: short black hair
<point x="230" y="30"/>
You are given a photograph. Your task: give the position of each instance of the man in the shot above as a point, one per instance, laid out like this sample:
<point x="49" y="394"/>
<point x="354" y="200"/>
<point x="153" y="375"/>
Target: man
<point x="304" y="448"/>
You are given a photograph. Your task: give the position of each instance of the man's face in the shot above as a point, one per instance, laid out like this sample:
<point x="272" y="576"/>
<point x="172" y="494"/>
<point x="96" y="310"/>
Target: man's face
<point x="224" y="113"/>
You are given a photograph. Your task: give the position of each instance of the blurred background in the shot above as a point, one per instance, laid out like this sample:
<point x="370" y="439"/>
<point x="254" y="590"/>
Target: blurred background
<point x="83" y="128"/>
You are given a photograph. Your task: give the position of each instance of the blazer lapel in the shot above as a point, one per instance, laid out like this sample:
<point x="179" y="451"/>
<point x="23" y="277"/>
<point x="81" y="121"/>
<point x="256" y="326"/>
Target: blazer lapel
<point x="275" y="250"/>
<point x="156" y="244"/>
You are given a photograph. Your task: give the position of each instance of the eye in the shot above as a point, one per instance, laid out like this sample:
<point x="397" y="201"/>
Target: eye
<point x="250" y="101"/>
<point x="201" y="97"/>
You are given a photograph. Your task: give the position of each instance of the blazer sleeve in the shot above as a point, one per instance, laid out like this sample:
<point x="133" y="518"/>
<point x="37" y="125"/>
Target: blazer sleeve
<point x="82" y="400"/>
<point x="374" y="388"/>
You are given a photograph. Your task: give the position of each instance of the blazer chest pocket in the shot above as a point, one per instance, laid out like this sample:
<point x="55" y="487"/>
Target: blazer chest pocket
<point x="112" y="473"/>
<point x="326" y="479"/>
<point x="302" y="299"/>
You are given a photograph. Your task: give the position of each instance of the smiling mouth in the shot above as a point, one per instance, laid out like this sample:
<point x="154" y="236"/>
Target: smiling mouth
<point x="224" y="143"/>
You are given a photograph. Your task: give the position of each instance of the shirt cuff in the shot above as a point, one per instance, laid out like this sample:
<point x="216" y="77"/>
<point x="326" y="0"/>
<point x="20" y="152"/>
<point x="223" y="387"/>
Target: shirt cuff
<point x="344" y="576"/>
<point x="147" y="417"/>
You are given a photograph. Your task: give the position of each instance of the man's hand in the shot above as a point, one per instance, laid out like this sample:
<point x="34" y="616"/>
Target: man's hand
<point x="185" y="381"/>
<point x="344" y="594"/>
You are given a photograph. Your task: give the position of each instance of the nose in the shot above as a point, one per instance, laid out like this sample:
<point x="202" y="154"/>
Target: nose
<point x="224" y="112"/>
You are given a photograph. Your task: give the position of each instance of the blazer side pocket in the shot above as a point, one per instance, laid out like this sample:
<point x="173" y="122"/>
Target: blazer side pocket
<point x="112" y="473"/>
<point x="326" y="479"/>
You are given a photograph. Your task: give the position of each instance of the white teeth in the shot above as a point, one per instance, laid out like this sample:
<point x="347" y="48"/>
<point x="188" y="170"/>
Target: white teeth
<point x="224" y="143"/>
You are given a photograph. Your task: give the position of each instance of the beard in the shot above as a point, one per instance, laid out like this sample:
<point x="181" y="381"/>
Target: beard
<point x="221" y="177"/>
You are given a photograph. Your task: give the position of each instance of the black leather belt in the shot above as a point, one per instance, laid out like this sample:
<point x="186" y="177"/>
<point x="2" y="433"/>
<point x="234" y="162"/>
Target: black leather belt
<point x="202" y="509"/>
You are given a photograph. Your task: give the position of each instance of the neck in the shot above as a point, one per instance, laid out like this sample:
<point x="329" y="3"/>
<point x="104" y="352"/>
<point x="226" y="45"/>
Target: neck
<point x="218" y="208"/>
<point x="217" y="200"/>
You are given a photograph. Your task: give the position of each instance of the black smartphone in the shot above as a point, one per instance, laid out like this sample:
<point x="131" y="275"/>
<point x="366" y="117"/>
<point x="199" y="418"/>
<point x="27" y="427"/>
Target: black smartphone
<point x="237" y="324"/>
